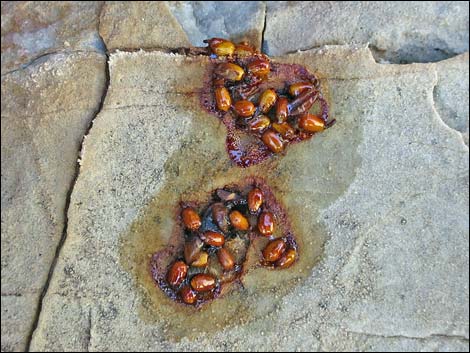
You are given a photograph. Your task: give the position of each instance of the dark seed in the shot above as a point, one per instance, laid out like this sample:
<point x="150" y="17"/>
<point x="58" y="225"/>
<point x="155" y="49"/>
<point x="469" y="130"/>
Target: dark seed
<point x="203" y="282"/>
<point x="273" y="251"/>
<point x="177" y="273"/>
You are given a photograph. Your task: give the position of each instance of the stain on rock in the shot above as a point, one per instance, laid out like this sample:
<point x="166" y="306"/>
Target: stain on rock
<point x="305" y="180"/>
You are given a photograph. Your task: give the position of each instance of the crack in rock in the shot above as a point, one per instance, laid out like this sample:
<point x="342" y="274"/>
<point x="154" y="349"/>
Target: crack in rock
<point x="67" y="204"/>
<point x="401" y="336"/>
<point x="64" y="235"/>
<point x="429" y="32"/>
<point x="43" y="57"/>
<point x="88" y="331"/>
<point x="264" y="45"/>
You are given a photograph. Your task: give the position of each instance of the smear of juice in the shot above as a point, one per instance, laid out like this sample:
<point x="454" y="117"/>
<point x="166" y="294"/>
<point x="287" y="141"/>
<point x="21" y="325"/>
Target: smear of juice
<point x="305" y="179"/>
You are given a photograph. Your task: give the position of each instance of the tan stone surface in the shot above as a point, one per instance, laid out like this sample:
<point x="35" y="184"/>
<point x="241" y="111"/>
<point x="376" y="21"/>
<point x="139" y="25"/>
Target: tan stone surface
<point x="34" y="28"/>
<point x="380" y="200"/>
<point x="140" y="24"/>
<point x="46" y="110"/>
<point x="18" y="312"/>
<point x="386" y="187"/>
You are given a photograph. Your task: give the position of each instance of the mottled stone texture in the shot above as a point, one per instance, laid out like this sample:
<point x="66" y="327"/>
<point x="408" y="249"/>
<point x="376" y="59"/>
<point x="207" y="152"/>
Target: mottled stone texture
<point x="46" y="110"/>
<point x="34" y="28"/>
<point x="383" y="194"/>
<point x="451" y="93"/>
<point x="224" y="19"/>
<point x="399" y="32"/>
<point x="140" y="24"/>
<point x="387" y="185"/>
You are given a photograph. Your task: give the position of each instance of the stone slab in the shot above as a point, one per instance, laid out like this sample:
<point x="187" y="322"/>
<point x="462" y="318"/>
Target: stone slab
<point x="31" y="29"/>
<point x="140" y="24"/>
<point x="385" y="189"/>
<point x="46" y="109"/>
<point x="398" y="32"/>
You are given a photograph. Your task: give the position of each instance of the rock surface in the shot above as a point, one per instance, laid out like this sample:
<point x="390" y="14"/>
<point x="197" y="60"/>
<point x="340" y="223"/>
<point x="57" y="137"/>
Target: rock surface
<point x="224" y="19"/>
<point x="451" y="91"/>
<point x="140" y="24"/>
<point x="31" y="29"/>
<point x="380" y="200"/>
<point x="402" y="32"/>
<point x="395" y="219"/>
<point x="46" y="110"/>
<point x="18" y="314"/>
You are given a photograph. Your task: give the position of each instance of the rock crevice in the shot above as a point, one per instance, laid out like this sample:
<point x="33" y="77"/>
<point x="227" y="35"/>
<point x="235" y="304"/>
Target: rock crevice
<point x="67" y="205"/>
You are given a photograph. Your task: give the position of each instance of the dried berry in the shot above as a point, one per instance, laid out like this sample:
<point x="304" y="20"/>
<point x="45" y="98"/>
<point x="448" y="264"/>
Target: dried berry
<point x="299" y="87"/>
<point x="255" y="200"/>
<point x="260" y="123"/>
<point x="287" y="259"/>
<point x="230" y="71"/>
<point x="191" y="219"/>
<point x="221" y="47"/>
<point x="311" y="123"/>
<point x="226" y="259"/>
<point x="266" y="223"/>
<point x="213" y="238"/>
<point x="203" y="282"/>
<point x="177" y="273"/>
<point x="274" y="250"/>
<point x="285" y="130"/>
<point x="267" y="100"/>
<point x="239" y="221"/>
<point x="273" y="141"/>
<point x="282" y="110"/>
<point x="244" y="108"/>
<point x="242" y="50"/>
<point x="259" y="67"/>
<point x="188" y="295"/>
<point x="222" y="98"/>
<point x="220" y="216"/>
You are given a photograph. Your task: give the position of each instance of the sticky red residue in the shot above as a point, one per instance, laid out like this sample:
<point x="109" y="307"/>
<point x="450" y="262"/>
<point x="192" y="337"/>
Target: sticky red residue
<point x="227" y="280"/>
<point x="244" y="146"/>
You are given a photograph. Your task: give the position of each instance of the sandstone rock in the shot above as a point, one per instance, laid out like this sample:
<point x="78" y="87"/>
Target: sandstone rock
<point x="46" y="110"/>
<point x="226" y="19"/>
<point x="451" y="91"/>
<point x="383" y="196"/>
<point x="140" y="24"/>
<point x="18" y="313"/>
<point x="31" y="29"/>
<point x="398" y="32"/>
